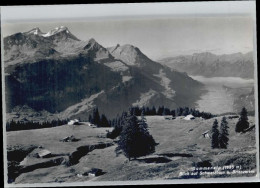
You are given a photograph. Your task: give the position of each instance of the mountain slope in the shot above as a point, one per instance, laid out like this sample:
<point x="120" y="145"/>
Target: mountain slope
<point x="243" y="97"/>
<point x="57" y="72"/>
<point x="172" y="86"/>
<point x="211" y="65"/>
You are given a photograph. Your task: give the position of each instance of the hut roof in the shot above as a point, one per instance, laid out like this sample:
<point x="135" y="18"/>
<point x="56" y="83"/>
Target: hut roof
<point x="44" y="153"/>
<point x="189" y="117"/>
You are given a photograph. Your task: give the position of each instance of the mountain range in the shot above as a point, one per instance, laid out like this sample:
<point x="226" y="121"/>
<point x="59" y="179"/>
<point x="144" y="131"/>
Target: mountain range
<point x="211" y="65"/>
<point x="58" y="73"/>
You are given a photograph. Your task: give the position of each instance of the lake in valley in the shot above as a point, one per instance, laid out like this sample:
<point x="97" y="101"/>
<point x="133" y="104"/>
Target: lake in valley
<point x="217" y="100"/>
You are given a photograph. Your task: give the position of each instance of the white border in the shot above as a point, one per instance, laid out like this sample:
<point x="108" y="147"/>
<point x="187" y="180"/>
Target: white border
<point x="3" y="105"/>
<point x="126" y="11"/>
<point x="57" y="12"/>
<point x="256" y="98"/>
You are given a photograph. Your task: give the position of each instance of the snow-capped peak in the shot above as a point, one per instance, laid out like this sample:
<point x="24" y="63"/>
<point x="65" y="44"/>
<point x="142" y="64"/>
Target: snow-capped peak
<point x="56" y="30"/>
<point x="63" y="29"/>
<point x="35" y="31"/>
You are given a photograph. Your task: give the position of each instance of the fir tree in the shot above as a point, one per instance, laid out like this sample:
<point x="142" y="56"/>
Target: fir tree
<point x="144" y="110"/>
<point x="173" y="113"/>
<point x="103" y="121"/>
<point x="135" y="139"/>
<point x="153" y="111"/>
<point x="242" y="123"/>
<point x="131" y="111"/>
<point x="142" y="123"/>
<point x="160" y="110"/>
<point x="147" y="143"/>
<point x="215" y="135"/>
<point x="185" y="111"/>
<point x="166" y="111"/>
<point x="179" y="111"/>
<point x="96" y="117"/>
<point x="90" y="119"/>
<point x="223" y="134"/>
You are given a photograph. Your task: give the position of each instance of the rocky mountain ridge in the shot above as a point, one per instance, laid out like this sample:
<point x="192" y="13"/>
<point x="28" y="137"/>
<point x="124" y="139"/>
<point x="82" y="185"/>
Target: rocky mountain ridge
<point x="61" y="74"/>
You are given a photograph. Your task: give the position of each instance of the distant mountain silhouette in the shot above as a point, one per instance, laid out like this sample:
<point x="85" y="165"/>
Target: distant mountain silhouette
<point x="210" y="65"/>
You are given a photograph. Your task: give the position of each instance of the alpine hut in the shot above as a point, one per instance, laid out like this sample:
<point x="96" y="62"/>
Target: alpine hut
<point x="189" y="117"/>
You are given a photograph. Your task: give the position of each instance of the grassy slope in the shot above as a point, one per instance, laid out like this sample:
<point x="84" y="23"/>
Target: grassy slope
<point x="49" y="137"/>
<point x="173" y="136"/>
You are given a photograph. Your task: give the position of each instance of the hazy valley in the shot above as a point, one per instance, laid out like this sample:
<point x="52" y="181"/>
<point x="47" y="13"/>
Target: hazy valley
<point x="226" y="94"/>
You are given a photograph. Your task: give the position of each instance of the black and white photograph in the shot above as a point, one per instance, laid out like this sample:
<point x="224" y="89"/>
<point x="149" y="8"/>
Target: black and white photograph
<point x="130" y="93"/>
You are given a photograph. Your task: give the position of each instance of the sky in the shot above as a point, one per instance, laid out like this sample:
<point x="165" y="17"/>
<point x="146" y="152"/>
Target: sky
<point x="157" y="36"/>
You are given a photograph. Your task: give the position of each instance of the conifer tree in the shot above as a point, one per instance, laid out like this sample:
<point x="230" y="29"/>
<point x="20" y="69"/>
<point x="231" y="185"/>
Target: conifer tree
<point x="223" y="134"/>
<point x="179" y="111"/>
<point x="96" y="117"/>
<point x="147" y="143"/>
<point x="173" y="113"/>
<point x="103" y="121"/>
<point x="131" y="111"/>
<point x="153" y="111"/>
<point x="144" y="110"/>
<point x="142" y="123"/>
<point x="185" y="111"/>
<point x="160" y="110"/>
<point x="242" y="123"/>
<point x="135" y="139"/>
<point x="215" y="135"/>
<point x="166" y="111"/>
<point x="90" y="119"/>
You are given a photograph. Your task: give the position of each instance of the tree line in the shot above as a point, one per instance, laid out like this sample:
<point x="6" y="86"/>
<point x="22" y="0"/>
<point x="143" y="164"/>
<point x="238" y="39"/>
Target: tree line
<point x="118" y="122"/>
<point x="103" y="121"/>
<point x="99" y="121"/>
<point x="162" y="111"/>
<point x="21" y="125"/>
